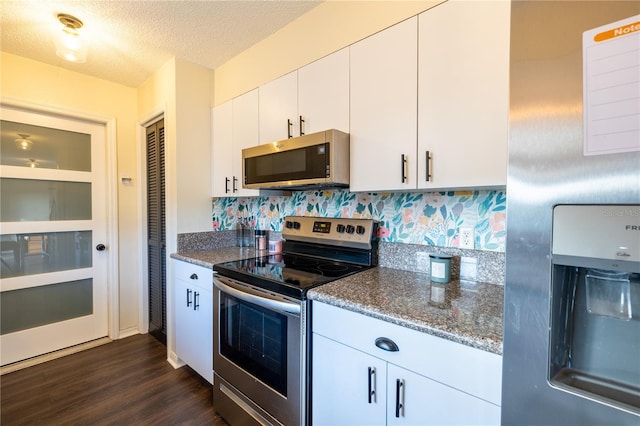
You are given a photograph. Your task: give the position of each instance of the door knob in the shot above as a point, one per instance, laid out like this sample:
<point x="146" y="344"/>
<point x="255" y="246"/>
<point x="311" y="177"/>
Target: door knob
<point x="101" y="247"/>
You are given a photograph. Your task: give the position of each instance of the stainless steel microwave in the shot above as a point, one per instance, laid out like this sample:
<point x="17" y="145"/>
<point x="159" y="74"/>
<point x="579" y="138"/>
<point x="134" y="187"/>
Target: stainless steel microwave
<point x="317" y="160"/>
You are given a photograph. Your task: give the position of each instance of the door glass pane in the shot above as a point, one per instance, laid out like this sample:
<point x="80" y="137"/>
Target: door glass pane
<point x="26" y="145"/>
<point x="28" y="254"/>
<point x="255" y="339"/>
<point x="45" y="305"/>
<point x="44" y="200"/>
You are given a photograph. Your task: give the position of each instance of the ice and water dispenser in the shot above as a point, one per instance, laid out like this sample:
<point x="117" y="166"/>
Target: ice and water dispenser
<point x="595" y="303"/>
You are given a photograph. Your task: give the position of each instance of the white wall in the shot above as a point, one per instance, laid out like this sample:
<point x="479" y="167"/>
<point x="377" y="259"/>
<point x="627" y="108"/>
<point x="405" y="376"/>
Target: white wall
<point x="193" y="146"/>
<point x="181" y="91"/>
<point x="326" y="28"/>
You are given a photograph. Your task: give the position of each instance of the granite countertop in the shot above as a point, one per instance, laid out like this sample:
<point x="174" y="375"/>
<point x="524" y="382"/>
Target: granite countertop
<point x="208" y="258"/>
<point x="461" y="311"/>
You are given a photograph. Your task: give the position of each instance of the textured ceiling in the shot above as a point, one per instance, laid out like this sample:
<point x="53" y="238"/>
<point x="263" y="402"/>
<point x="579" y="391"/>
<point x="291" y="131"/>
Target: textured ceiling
<point x="130" y="39"/>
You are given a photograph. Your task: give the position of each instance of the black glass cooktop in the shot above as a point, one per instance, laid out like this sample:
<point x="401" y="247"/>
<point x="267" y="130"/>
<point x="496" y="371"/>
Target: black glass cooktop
<point x="288" y="274"/>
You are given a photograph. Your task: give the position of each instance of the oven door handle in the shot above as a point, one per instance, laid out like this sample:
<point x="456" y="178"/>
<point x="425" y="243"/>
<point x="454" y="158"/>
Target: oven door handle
<point x="259" y="299"/>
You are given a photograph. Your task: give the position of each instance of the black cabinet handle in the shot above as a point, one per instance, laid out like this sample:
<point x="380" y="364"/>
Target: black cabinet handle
<point x="289" y="127"/>
<point x="428" y="166"/>
<point x="226" y="185"/>
<point x="372" y="384"/>
<point x="196" y="305"/>
<point x="301" y="127"/>
<point x="399" y="400"/>
<point x="235" y="188"/>
<point x="194" y="276"/>
<point x="403" y="168"/>
<point x="188" y="297"/>
<point x="387" y="344"/>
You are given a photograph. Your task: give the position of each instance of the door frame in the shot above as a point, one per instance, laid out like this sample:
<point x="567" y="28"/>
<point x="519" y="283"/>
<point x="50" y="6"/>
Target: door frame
<point x="152" y="117"/>
<point x="111" y="167"/>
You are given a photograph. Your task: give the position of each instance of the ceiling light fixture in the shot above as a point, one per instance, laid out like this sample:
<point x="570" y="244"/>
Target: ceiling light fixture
<point x="69" y="45"/>
<point x="23" y="143"/>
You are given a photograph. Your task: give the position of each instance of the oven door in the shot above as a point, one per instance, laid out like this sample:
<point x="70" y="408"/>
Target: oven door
<point x="258" y="350"/>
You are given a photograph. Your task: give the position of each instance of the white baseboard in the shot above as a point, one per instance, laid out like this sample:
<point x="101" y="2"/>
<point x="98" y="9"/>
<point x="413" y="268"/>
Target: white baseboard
<point x="53" y="355"/>
<point x="128" y="332"/>
<point x="174" y="360"/>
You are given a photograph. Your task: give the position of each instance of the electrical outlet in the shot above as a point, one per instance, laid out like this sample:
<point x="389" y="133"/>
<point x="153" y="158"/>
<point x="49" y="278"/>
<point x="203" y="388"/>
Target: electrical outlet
<point x="467" y="238"/>
<point x="468" y="268"/>
<point x="422" y="262"/>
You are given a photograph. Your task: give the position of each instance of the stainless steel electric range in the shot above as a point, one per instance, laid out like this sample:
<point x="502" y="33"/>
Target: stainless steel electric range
<point x="260" y="321"/>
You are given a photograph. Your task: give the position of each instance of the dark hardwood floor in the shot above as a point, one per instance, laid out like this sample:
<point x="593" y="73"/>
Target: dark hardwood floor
<point x="125" y="382"/>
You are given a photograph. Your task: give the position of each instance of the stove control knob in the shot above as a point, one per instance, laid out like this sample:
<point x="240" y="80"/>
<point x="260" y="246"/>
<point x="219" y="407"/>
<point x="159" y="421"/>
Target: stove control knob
<point x="288" y="224"/>
<point x="350" y="229"/>
<point x="340" y="228"/>
<point x="296" y="225"/>
<point x="360" y="230"/>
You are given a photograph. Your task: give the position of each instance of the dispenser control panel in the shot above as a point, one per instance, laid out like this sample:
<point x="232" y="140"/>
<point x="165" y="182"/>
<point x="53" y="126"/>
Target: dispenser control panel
<point x="609" y="232"/>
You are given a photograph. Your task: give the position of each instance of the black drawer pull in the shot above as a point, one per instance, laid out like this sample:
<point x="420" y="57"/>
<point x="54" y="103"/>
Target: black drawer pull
<point x="387" y="344"/>
<point x="399" y="398"/>
<point x="372" y="385"/>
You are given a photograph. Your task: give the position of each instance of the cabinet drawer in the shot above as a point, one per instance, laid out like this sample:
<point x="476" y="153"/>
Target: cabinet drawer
<point x="185" y="270"/>
<point x="470" y="370"/>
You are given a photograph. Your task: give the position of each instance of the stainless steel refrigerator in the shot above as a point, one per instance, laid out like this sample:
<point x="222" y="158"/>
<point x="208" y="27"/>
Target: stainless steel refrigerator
<point x="572" y="289"/>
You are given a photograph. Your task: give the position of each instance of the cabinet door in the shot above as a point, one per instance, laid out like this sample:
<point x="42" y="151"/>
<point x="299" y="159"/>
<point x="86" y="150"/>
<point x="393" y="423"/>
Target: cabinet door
<point x="202" y="323"/>
<point x="279" y="103"/>
<point x="186" y="333"/>
<point x="193" y="302"/>
<point x="323" y="93"/>
<point x="463" y="94"/>
<point x="245" y="135"/>
<point x="383" y="85"/>
<point x="222" y="148"/>
<point x="342" y="378"/>
<point x="413" y="399"/>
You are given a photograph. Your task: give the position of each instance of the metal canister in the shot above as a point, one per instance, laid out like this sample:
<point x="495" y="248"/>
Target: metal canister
<point x="261" y="242"/>
<point x="440" y="267"/>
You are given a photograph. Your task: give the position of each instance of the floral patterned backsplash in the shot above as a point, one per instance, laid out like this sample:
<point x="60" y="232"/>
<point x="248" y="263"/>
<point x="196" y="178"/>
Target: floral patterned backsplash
<point x="406" y="217"/>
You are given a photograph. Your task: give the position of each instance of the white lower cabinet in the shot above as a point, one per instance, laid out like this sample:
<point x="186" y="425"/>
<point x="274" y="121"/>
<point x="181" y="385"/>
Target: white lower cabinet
<point x="427" y="381"/>
<point x="194" y="317"/>
<point x="340" y="377"/>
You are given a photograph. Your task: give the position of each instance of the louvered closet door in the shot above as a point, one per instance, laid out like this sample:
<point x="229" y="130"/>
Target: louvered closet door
<point x="156" y="232"/>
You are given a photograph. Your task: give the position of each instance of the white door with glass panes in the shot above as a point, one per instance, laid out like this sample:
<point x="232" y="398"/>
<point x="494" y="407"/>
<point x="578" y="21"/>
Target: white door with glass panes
<point x="53" y="273"/>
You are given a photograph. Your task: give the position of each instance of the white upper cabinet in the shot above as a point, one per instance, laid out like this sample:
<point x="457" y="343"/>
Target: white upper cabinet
<point x="463" y="86"/>
<point x="383" y="105"/>
<point x="245" y="135"/>
<point x="323" y="94"/>
<point x="311" y="99"/>
<point x="221" y="149"/>
<point x="235" y="126"/>
<point x="279" y="109"/>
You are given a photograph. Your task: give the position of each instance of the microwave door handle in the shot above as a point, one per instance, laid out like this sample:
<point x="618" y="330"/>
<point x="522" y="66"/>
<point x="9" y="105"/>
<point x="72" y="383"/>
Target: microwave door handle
<point x="260" y="300"/>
